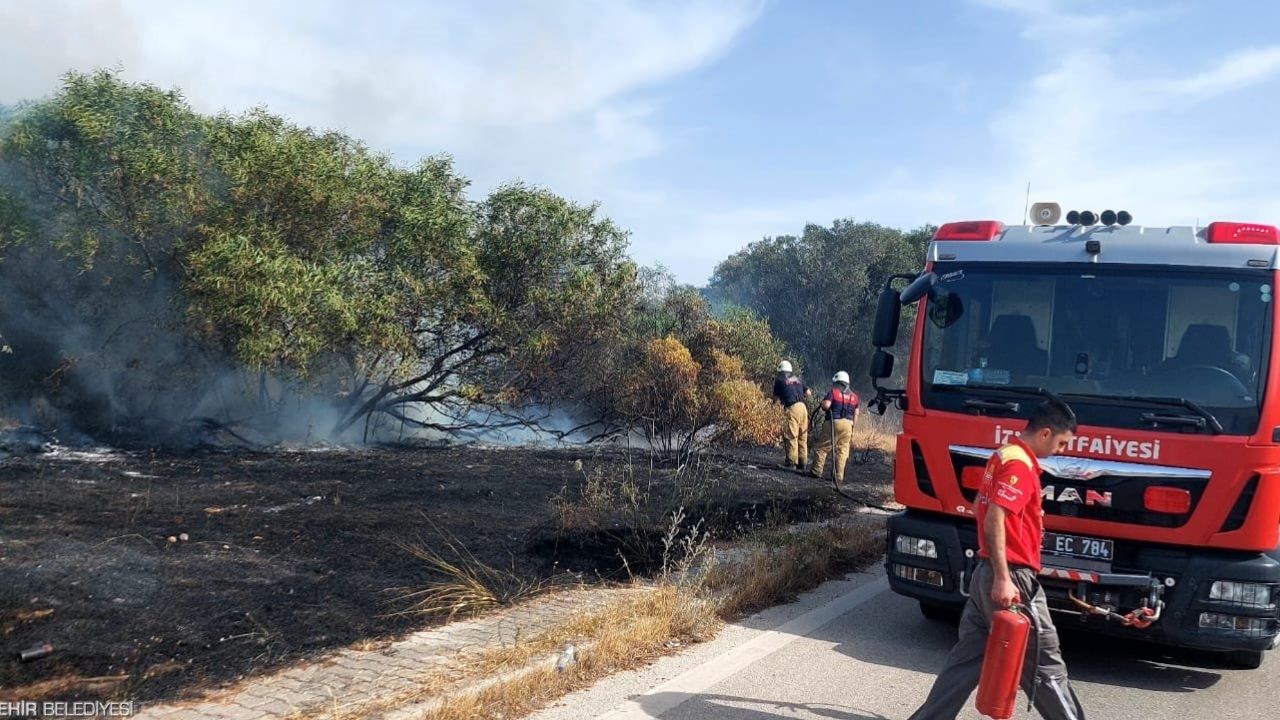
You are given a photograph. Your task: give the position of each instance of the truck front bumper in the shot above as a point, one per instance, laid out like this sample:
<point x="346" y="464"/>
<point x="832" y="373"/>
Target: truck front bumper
<point x="931" y="558"/>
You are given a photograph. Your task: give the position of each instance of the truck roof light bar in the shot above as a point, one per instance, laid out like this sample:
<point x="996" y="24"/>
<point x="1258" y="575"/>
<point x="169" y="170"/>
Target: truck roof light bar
<point x="970" y="230"/>
<point x="1243" y="233"/>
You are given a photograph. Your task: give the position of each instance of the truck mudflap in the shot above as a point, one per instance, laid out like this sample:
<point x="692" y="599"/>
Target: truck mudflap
<point x="1184" y="597"/>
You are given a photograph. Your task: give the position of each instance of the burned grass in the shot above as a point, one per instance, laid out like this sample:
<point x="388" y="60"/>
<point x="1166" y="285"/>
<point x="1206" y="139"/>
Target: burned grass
<point x="291" y="554"/>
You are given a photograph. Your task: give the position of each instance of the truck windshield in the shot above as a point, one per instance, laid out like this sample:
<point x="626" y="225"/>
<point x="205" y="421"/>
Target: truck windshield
<point x="1141" y="348"/>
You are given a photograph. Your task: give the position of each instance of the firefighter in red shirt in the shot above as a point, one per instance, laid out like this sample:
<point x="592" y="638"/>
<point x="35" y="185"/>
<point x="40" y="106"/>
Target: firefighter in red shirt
<point x="1010" y="524"/>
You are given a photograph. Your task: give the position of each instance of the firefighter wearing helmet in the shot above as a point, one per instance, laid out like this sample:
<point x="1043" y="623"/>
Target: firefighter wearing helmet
<point x="791" y="391"/>
<point x="842" y="406"/>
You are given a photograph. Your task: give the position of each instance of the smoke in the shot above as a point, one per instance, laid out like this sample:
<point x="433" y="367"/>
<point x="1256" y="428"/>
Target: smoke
<point x="106" y="349"/>
<point x="108" y="352"/>
<point x="165" y="281"/>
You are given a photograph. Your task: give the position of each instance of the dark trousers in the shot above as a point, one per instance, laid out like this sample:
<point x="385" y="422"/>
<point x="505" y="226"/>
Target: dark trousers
<point x="1054" y="698"/>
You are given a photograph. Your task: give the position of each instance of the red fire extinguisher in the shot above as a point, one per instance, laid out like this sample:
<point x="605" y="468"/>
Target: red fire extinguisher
<point x="1002" y="664"/>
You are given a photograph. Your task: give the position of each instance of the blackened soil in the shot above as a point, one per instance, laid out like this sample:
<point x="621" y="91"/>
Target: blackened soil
<point x="290" y="554"/>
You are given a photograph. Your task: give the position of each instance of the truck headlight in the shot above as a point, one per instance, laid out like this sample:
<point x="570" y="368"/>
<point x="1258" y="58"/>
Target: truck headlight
<point x="918" y="574"/>
<point x="1244" y="594"/>
<point x="920" y="547"/>
<point x="1251" y="626"/>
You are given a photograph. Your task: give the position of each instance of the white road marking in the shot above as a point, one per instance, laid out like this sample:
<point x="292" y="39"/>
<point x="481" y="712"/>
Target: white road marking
<point x="686" y="686"/>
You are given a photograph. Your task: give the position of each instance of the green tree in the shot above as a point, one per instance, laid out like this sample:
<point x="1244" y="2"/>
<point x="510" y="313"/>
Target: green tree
<point x="159" y="266"/>
<point x="818" y="291"/>
<point x="103" y="183"/>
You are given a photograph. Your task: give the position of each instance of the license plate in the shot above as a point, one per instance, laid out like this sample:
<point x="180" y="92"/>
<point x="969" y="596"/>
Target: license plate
<point x="1079" y="548"/>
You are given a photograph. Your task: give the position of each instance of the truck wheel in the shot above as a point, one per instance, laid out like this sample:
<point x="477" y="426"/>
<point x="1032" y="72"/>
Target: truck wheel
<point x="939" y="613"/>
<point x="1245" y="659"/>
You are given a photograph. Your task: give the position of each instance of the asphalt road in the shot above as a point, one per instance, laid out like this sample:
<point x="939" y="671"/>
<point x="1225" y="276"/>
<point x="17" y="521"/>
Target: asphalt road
<point x="853" y="650"/>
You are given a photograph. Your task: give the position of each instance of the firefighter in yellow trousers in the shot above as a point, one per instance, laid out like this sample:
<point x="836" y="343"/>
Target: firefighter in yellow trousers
<point x="842" y="406"/>
<point x="791" y="392"/>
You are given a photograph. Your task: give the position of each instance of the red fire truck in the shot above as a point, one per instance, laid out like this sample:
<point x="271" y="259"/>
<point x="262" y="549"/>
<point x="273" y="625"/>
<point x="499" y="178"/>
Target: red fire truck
<point x="1162" y="518"/>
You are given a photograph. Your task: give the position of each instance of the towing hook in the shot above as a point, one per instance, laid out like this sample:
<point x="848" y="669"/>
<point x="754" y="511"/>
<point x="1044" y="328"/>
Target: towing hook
<point x="1140" y="618"/>
<point x="1143" y="617"/>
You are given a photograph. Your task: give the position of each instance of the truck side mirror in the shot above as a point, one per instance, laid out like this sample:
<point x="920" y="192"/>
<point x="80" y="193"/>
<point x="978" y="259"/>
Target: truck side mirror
<point x="881" y="365"/>
<point x="888" y="311"/>
<point x="918" y="288"/>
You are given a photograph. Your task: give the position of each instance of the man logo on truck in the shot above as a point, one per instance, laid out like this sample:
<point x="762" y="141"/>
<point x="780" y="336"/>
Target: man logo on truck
<point x="1072" y="495"/>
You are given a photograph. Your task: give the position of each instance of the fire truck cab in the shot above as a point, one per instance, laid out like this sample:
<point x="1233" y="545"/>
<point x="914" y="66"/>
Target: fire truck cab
<point x="1162" y="519"/>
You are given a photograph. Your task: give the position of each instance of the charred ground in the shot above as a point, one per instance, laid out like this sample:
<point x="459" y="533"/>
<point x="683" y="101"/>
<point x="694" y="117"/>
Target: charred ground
<point x="290" y="554"/>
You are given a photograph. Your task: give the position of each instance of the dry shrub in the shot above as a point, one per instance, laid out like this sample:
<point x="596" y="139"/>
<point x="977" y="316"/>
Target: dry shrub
<point x="664" y="388"/>
<point x="746" y="414"/>
<point x="683" y="405"/>
<point x="645" y="523"/>
<point x="610" y="498"/>
<point x="725" y="366"/>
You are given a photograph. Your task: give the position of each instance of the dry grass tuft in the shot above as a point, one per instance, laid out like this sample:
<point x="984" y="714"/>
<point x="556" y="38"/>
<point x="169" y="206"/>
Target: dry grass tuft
<point x="625" y="636"/>
<point x="507" y="682"/>
<point x="69" y="686"/>
<point x="878" y="433"/>
<point x="791" y="562"/>
<point x="468" y="586"/>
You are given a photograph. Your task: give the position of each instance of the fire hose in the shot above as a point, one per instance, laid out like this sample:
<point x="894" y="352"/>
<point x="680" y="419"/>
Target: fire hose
<point x="1140" y="618"/>
<point x="835" y="485"/>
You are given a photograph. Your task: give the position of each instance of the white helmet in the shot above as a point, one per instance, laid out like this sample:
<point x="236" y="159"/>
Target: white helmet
<point x="784" y="366"/>
<point x="841" y="377"/>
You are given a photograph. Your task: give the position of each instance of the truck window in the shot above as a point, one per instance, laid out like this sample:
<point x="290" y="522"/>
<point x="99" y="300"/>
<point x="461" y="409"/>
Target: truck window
<point x="1102" y="333"/>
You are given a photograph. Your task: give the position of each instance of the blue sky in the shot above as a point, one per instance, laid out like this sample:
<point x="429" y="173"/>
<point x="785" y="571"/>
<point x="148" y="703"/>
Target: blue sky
<point x="702" y="126"/>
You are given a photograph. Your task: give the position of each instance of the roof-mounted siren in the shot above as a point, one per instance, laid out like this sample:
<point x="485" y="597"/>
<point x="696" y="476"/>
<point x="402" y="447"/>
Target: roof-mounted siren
<point x="1111" y="217"/>
<point x="1046" y="213"/>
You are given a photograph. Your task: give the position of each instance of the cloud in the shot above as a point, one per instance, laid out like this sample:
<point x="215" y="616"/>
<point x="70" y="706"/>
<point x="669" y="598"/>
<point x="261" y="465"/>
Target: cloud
<point x="1100" y="130"/>
<point x="1047" y="22"/>
<point x="513" y="89"/>
<point x="1099" y="125"/>
<point x="1236" y="72"/>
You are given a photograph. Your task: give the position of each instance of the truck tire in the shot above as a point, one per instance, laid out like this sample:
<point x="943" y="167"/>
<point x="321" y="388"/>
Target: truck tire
<point x="1245" y="659"/>
<point x="940" y="613"/>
